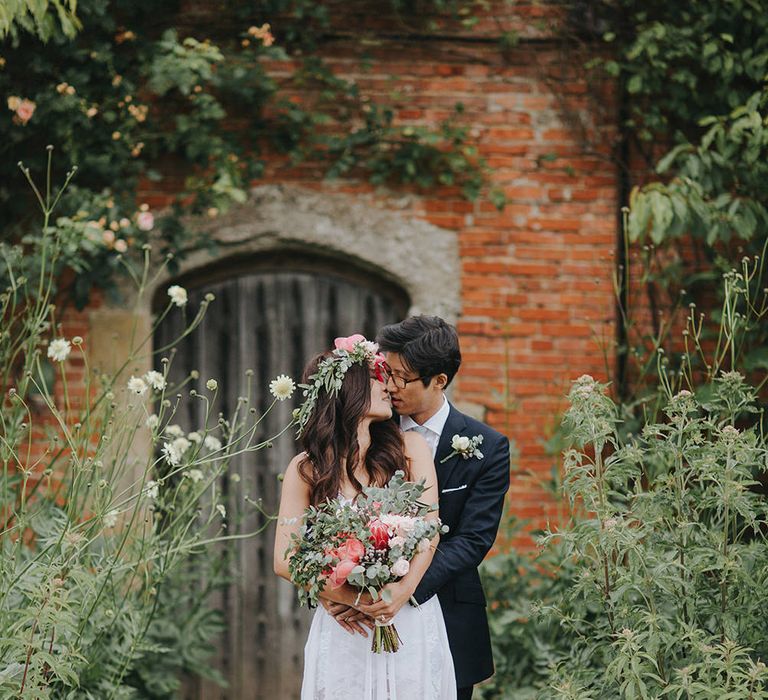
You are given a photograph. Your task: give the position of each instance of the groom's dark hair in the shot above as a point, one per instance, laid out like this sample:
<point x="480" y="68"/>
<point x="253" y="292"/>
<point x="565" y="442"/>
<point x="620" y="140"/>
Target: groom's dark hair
<point x="427" y="344"/>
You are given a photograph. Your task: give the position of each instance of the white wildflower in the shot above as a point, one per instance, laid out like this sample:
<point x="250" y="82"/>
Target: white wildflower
<point x="151" y="489"/>
<point x="155" y="379"/>
<point x="195" y="474"/>
<point x="178" y="295"/>
<point x="171" y="453"/>
<point x="152" y="421"/>
<point x="59" y="349"/>
<point x="110" y="518"/>
<point x="195" y="437"/>
<point x="181" y="444"/>
<point x="174" y="430"/>
<point x="211" y="385"/>
<point x="234" y="478"/>
<point x="282" y="387"/>
<point x="222" y="510"/>
<point x="212" y="443"/>
<point x="136" y="385"/>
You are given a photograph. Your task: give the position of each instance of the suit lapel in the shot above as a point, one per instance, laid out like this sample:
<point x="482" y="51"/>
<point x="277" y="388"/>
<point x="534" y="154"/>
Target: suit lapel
<point x="455" y="425"/>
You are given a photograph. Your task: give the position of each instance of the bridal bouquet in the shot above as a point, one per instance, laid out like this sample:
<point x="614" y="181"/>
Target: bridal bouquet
<point x="367" y="543"/>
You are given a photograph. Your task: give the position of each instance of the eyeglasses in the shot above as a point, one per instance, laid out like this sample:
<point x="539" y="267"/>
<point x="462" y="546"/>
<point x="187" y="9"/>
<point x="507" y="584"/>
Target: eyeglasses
<point x="402" y="382"/>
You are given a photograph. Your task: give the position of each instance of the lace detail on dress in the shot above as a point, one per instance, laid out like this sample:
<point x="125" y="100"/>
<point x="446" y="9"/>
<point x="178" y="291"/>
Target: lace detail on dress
<point x="341" y="666"/>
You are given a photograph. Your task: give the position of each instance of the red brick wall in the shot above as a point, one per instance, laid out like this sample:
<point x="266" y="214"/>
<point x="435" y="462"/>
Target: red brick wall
<point x="537" y="297"/>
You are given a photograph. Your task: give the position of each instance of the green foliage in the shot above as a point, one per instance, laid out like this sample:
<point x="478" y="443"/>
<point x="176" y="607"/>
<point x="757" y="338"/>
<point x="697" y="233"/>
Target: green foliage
<point x="40" y="17"/>
<point x="108" y="512"/>
<point x="137" y="103"/>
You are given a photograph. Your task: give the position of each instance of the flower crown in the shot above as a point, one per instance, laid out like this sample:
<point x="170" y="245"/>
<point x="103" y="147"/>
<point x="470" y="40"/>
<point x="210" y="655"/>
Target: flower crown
<point x="349" y="351"/>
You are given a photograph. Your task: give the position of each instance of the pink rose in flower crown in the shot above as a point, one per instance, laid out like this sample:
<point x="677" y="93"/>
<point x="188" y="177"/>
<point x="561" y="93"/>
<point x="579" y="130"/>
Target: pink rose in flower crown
<point x="353" y="550"/>
<point x="348" y="343"/>
<point x="379" y="534"/>
<point x="339" y="573"/>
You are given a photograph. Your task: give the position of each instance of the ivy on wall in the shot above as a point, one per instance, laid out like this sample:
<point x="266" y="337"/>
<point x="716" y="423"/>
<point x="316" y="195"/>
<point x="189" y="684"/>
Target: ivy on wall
<point x="140" y="96"/>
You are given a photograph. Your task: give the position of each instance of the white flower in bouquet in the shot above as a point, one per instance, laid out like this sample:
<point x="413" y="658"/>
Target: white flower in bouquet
<point x="136" y="385"/>
<point x="59" y="349"/>
<point x="178" y="295"/>
<point x="155" y="379"/>
<point x="282" y="387"/>
<point x="212" y="443"/>
<point x="396" y="541"/>
<point x="401" y="567"/>
<point x="423" y="545"/>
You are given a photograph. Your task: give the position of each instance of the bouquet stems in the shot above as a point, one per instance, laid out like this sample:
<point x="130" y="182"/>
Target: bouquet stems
<point x="385" y="638"/>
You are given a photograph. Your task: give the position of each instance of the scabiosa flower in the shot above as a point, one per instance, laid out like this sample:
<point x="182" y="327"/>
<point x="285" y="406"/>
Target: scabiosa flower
<point x="174" y="430"/>
<point x="211" y="385"/>
<point x="136" y="385"/>
<point x="282" y="387"/>
<point x="152" y="421"/>
<point x="110" y="518"/>
<point x="195" y="437"/>
<point x="171" y="453"/>
<point x="59" y="349"/>
<point x="151" y="489"/>
<point x="212" y="443"/>
<point x="155" y="379"/>
<point x="195" y="474"/>
<point x="178" y="295"/>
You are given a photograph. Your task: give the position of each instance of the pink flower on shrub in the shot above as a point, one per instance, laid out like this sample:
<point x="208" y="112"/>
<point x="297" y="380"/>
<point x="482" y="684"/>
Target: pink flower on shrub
<point x="145" y="221"/>
<point x="23" y="108"/>
<point x="340" y="572"/>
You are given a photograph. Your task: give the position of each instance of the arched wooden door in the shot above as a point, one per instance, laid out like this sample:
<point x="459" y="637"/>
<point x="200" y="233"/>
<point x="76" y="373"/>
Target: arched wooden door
<point x="268" y="317"/>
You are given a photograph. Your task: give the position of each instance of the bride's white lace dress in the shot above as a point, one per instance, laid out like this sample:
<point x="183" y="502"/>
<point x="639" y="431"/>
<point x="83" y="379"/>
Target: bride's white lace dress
<point x="341" y="666"/>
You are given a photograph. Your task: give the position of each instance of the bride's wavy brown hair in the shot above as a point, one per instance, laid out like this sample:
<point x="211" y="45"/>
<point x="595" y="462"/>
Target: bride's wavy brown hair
<point x="330" y="438"/>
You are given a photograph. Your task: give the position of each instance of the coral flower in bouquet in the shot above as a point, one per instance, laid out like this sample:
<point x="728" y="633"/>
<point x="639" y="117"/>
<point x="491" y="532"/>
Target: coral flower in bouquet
<point x="367" y="543"/>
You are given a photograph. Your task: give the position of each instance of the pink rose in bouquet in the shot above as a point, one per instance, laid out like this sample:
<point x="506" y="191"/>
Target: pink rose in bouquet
<point x="340" y="572"/>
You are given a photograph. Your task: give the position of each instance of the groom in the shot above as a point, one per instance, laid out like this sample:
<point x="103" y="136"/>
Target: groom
<point x="423" y="354"/>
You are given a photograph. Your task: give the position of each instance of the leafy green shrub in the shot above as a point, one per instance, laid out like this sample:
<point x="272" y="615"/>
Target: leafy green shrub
<point x="108" y="509"/>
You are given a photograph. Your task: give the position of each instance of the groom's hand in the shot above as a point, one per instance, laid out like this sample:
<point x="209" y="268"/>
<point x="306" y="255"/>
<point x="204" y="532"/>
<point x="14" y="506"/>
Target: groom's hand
<point x="352" y="620"/>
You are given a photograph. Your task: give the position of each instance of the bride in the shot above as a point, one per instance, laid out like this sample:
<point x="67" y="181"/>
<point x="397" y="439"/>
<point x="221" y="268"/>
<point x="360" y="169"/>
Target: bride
<point x="350" y="443"/>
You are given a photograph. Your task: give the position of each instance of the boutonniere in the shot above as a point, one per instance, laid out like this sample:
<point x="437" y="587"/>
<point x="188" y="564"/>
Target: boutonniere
<point x="465" y="446"/>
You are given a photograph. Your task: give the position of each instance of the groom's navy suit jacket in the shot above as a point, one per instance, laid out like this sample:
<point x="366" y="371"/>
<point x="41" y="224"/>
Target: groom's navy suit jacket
<point x="471" y="503"/>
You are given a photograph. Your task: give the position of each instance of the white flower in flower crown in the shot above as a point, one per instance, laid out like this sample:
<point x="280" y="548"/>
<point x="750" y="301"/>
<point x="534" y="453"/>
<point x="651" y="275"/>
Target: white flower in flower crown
<point x="212" y="443"/>
<point x="174" y="430"/>
<point x="59" y="349"/>
<point x="282" y="387"/>
<point x="155" y="379"/>
<point x="465" y="446"/>
<point x="178" y="295"/>
<point x="151" y="489"/>
<point x="136" y="385"/>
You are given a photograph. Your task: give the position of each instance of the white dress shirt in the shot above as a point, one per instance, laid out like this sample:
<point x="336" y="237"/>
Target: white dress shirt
<point x="432" y="428"/>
